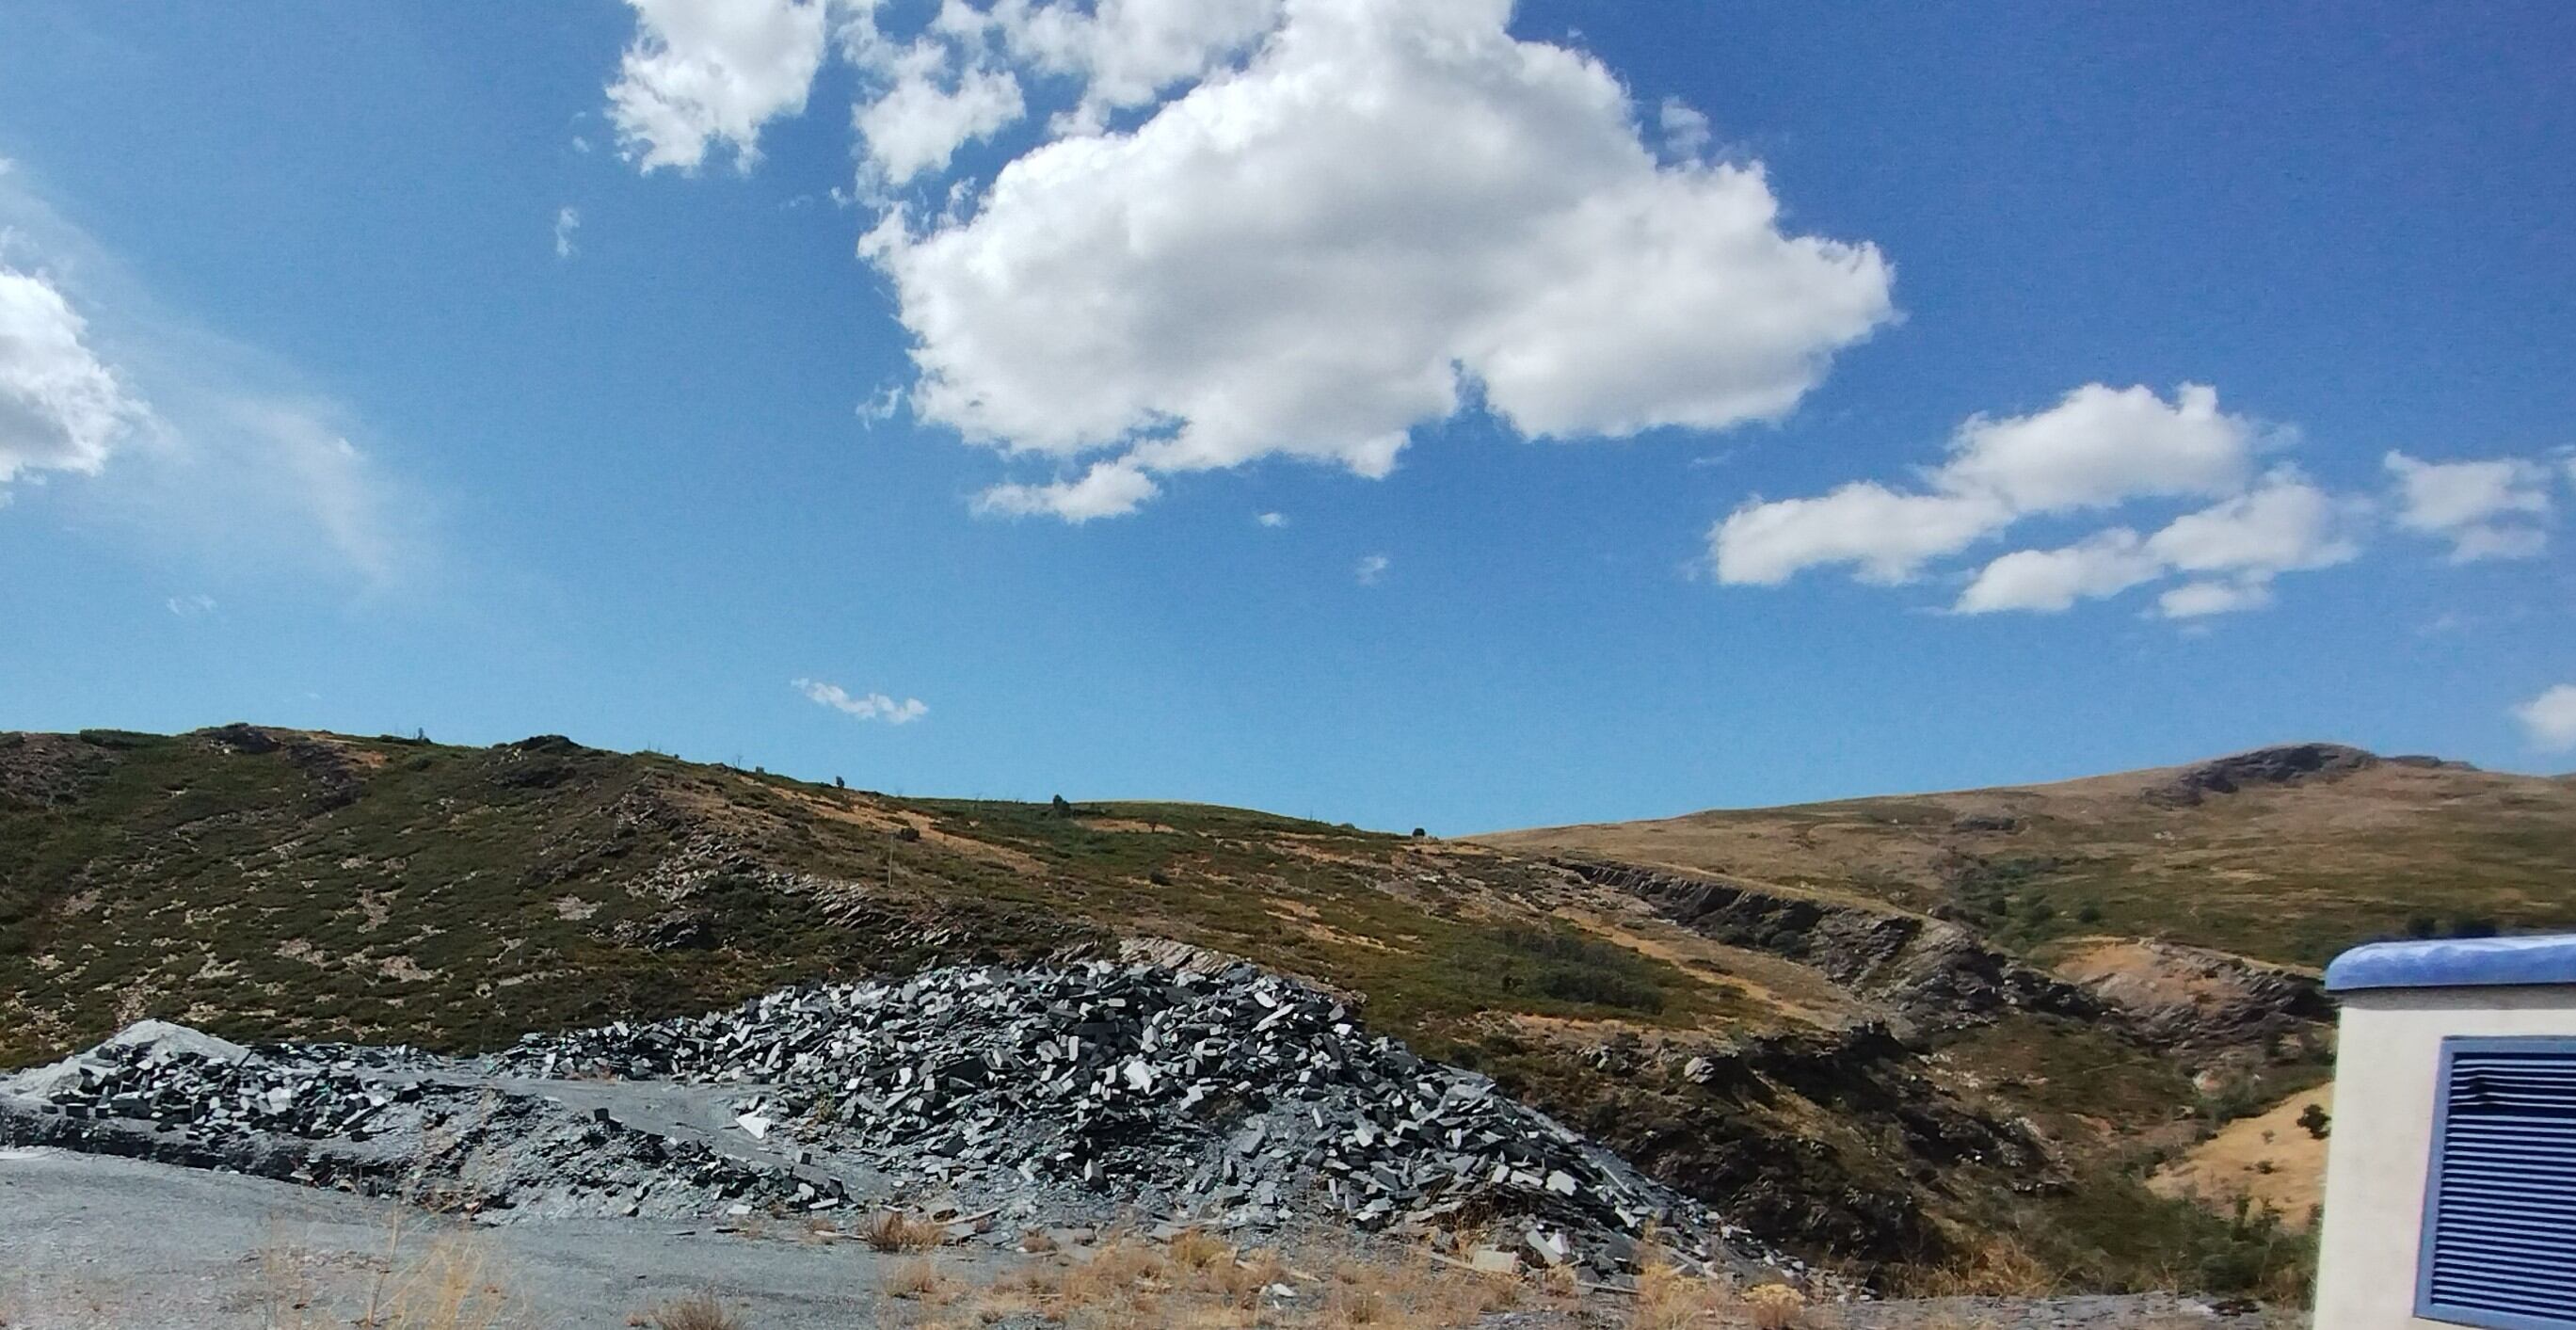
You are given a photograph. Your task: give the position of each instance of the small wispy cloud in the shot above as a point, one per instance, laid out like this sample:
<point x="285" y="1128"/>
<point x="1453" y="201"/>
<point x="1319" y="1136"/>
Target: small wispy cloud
<point x="191" y="607"/>
<point x="882" y="405"/>
<point x="1273" y="520"/>
<point x="1685" y="129"/>
<point x="1372" y="569"/>
<point x="186" y="442"/>
<point x="567" y="221"/>
<point x="2549" y="720"/>
<point x="865" y="706"/>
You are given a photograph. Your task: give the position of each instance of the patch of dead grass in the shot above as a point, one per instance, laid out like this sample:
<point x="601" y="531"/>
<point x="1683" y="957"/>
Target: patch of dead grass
<point x="697" y="1311"/>
<point x="919" y="1279"/>
<point x="896" y="1231"/>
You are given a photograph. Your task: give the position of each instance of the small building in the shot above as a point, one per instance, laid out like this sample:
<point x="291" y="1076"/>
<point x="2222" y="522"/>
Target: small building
<point x="2450" y="1192"/>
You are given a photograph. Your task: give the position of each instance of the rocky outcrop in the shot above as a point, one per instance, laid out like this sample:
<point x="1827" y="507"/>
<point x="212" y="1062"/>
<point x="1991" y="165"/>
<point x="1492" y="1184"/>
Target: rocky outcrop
<point x="47" y="770"/>
<point x="2191" y="997"/>
<point x="1936" y="974"/>
<point x="2288" y="764"/>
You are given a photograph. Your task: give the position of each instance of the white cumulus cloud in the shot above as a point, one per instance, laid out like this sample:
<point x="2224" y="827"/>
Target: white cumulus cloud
<point x="865" y="706"/>
<point x="2049" y="580"/>
<point x="2493" y="509"/>
<point x="1126" y="52"/>
<point x="2097" y="447"/>
<point x="567" y="221"/>
<point x="2197" y="600"/>
<point x="1271" y="519"/>
<point x="1108" y="489"/>
<point x="61" y="408"/>
<point x="707" y="73"/>
<point x="1311" y="255"/>
<point x="925" y="116"/>
<point x="2101" y="446"/>
<point x="2550" y="719"/>
<point x="2235" y="546"/>
<point x="1886" y="536"/>
<point x="1371" y="569"/>
<point x="2283" y="525"/>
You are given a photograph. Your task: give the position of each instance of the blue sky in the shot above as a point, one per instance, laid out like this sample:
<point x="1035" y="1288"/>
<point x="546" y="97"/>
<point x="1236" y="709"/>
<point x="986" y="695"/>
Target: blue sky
<point x="1662" y="405"/>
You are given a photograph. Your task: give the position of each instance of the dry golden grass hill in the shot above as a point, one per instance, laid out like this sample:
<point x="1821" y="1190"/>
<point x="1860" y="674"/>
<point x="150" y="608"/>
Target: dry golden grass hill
<point x="2288" y="854"/>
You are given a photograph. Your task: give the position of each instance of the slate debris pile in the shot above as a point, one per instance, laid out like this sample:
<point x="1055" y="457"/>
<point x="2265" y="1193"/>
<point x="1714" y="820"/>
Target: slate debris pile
<point x="367" y="1121"/>
<point x="1229" y="1097"/>
<point x="538" y="1159"/>
<point x="211" y="1096"/>
<point x="1237" y="1097"/>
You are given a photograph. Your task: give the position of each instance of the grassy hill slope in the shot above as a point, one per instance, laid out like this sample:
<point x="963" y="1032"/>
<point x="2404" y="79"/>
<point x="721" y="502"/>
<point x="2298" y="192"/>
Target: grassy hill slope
<point x="276" y="881"/>
<point x="2288" y="854"/>
<point x="1842" y="1058"/>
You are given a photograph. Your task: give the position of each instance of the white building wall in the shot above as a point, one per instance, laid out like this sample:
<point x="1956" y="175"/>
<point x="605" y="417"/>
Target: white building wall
<point x="2387" y="1060"/>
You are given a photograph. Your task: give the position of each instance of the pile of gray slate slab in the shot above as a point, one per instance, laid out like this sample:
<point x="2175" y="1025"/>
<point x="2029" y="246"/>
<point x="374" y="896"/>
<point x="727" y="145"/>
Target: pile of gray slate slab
<point x="1234" y="1098"/>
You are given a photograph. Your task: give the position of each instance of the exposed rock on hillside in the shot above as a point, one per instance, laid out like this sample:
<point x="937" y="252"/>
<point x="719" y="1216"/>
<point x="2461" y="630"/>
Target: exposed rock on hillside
<point x="2174" y="995"/>
<point x="1935" y="973"/>
<point x="2288" y="764"/>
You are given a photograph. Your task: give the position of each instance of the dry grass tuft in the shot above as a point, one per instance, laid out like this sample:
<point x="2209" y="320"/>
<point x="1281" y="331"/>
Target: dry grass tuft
<point x="894" y="1231"/>
<point x="454" y="1285"/>
<point x="1669" y="1298"/>
<point x="698" y="1311"/>
<point x="2002" y="1268"/>
<point x="1198" y="1249"/>
<point x="919" y="1280"/>
<point x="1774" y="1306"/>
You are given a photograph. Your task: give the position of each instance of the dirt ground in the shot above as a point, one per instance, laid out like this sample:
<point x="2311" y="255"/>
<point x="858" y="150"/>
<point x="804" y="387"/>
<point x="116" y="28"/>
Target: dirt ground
<point x="100" y="1243"/>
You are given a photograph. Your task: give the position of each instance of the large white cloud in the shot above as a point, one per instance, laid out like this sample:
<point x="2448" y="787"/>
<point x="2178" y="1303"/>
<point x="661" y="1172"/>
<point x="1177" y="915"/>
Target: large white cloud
<point x="1311" y="256"/>
<point x="2493" y="509"/>
<point x="2097" y="447"/>
<point x="61" y="408"/>
<point x="703" y="74"/>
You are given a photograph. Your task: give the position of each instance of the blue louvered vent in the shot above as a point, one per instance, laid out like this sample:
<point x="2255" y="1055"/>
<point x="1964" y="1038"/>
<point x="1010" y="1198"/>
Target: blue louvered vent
<point x="2500" y="1223"/>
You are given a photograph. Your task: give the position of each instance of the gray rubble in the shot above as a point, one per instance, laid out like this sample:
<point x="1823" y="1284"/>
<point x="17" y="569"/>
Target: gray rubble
<point x="1235" y="1099"/>
<point x="385" y="1122"/>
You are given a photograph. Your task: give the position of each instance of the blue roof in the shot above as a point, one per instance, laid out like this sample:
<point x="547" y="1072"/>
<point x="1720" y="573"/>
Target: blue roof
<point x="2484" y="962"/>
